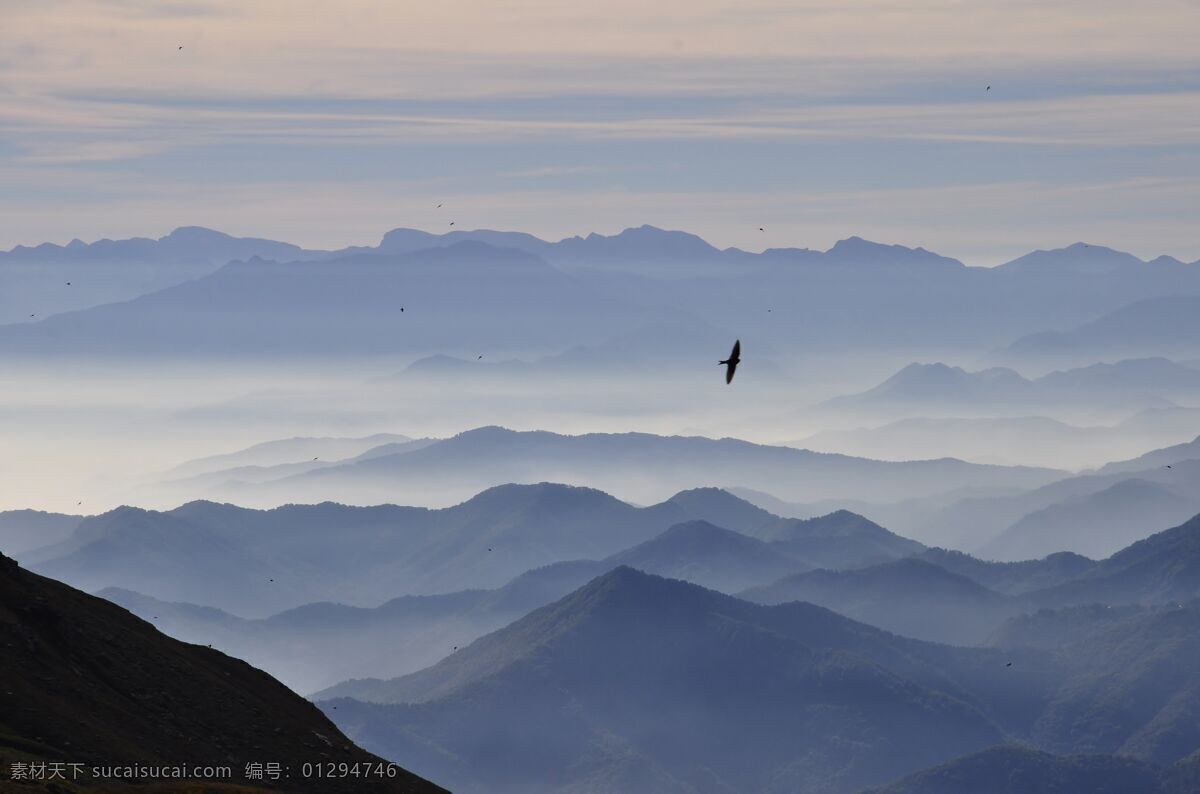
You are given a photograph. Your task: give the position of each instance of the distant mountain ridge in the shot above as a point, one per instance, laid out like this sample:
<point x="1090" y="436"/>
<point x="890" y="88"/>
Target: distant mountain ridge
<point x="270" y="560"/>
<point x="625" y="279"/>
<point x="620" y="641"/>
<point x="641" y="467"/>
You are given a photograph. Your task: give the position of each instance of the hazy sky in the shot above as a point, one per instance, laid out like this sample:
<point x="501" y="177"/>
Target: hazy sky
<point x="327" y="123"/>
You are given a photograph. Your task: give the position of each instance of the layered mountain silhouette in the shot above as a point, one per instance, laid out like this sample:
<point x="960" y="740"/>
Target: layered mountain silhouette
<point x="87" y="682"/>
<point x="1008" y="440"/>
<point x="697" y="551"/>
<point x="276" y="299"/>
<point x="1095" y="524"/>
<point x="1165" y="325"/>
<point x="287" y="451"/>
<point x="910" y="597"/>
<point x="257" y="562"/>
<point x="1163" y="568"/>
<point x="340" y="306"/>
<point x="1126" y="386"/>
<point x="1091" y="513"/>
<point x="841" y="539"/>
<point x="317" y="645"/>
<point x="628" y="683"/>
<point x="23" y="530"/>
<point x="637" y="683"/>
<point x="637" y="466"/>
<point x="1011" y="578"/>
<point x="36" y="278"/>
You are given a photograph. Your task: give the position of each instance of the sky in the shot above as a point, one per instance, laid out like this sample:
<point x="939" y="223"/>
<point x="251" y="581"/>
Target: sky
<point x="326" y="124"/>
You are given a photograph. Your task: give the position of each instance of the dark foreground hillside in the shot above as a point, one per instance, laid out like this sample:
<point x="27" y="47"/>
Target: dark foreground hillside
<point x="85" y="682"/>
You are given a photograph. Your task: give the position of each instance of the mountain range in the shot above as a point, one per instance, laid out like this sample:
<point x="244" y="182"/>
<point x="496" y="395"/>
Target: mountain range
<point x="626" y="684"/>
<point x="1120" y="388"/>
<point x="633" y="679"/>
<point x="269" y="560"/>
<point x="641" y="467"/>
<point x="273" y="299"/>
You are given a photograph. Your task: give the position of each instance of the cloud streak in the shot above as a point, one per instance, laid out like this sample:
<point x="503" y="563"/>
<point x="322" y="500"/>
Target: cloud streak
<point x="754" y="104"/>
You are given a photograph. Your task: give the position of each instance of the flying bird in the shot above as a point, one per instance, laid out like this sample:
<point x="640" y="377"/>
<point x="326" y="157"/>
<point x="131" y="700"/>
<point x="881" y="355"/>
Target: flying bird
<point x="735" y="358"/>
<point x="479" y="358"/>
<point x="989" y="88"/>
<point x="439" y="206"/>
<point x="1168" y="465"/>
<point x="181" y="46"/>
<point x="760" y="228"/>
<point x="1008" y="665"/>
<point x="451" y="223"/>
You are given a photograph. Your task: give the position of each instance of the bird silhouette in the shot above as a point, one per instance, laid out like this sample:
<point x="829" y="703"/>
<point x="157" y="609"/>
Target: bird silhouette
<point x="68" y="283"/>
<point x="401" y="308"/>
<point x="1168" y="465"/>
<point x="181" y="46"/>
<point x="1008" y="665"/>
<point x="314" y="459"/>
<point x="439" y="206"/>
<point x="989" y="88"/>
<point x="735" y="358"/>
<point x="479" y="358"/>
<point x="760" y="228"/>
<point x="451" y="223"/>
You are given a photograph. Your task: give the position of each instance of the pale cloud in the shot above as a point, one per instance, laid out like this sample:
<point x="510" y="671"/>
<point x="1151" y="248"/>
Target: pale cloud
<point x="329" y="122"/>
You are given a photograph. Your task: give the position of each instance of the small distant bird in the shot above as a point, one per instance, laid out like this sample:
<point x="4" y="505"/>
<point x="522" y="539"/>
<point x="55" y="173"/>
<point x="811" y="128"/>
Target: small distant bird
<point x="33" y="315"/>
<point x="68" y="283"/>
<point x="480" y="357"/>
<point x="314" y="458"/>
<point x="1168" y="465"/>
<point x="401" y="309"/>
<point x="451" y="223"/>
<point x="270" y="580"/>
<point x="489" y="549"/>
<point x="181" y="46"/>
<point x="439" y="206"/>
<point x="734" y="359"/>
<point x="1008" y="665"/>
<point x="760" y="228"/>
<point x="989" y="88"/>
<point x="456" y="647"/>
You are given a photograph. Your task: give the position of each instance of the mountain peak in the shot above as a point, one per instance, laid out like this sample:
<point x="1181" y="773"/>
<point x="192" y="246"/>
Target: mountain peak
<point x="856" y="250"/>
<point x="185" y="234"/>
